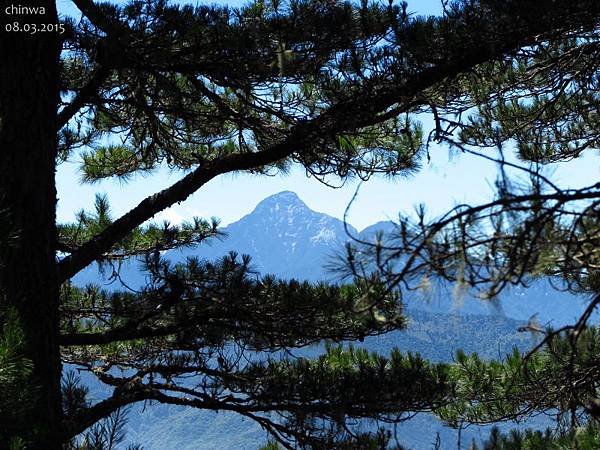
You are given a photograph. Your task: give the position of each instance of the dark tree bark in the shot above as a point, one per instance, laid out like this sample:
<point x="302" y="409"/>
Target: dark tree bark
<point x="29" y="68"/>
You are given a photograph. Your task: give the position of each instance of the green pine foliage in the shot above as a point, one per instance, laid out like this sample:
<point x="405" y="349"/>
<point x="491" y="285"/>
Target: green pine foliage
<point x="559" y="379"/>
<point x="16" y="383"/>
<point x="141" y="240"/>
<point x="585" y="438"/>
<point x="339" y="88"/>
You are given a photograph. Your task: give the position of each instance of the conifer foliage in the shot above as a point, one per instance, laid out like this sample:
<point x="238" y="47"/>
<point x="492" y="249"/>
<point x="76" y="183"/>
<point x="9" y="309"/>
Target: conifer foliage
<point x="208" y="90"/>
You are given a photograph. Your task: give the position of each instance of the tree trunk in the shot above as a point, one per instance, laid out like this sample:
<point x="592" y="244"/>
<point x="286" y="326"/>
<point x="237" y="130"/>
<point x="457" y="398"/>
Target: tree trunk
<point x="29" y="71"/>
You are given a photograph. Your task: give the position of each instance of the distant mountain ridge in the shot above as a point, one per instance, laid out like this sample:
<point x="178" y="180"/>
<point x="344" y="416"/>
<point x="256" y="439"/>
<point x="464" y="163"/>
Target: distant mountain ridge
<point x="286" y="238"/>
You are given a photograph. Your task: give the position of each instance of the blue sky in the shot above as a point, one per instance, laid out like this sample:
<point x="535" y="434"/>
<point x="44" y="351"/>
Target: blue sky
<point x="439" y="185"/>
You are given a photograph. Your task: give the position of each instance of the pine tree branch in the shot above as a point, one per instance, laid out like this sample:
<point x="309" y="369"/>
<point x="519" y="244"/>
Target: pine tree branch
<point x="339" y="384"/>
<point x="96" y="16"/>
<point x="84" y="95"/>
<point x="194" y="301"/>
<point x="113" y="41"/>
<point x="300" y="139"/>
<point x="136" y="393"/>
<point x="126" y="333"/>
<point x="365" y="109"/>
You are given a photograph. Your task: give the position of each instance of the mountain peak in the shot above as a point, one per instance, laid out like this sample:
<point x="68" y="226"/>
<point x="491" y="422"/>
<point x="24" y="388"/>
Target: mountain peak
<point x="281" y="200"/>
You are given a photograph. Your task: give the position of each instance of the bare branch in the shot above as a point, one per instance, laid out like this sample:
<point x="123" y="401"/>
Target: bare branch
<point x="84" y="95"/>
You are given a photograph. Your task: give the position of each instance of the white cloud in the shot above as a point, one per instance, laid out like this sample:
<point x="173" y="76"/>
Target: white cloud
<point x="170" y="216"/>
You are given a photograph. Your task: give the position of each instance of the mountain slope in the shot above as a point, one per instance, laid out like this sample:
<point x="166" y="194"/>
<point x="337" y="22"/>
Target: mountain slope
<point x="283" y="236"/>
